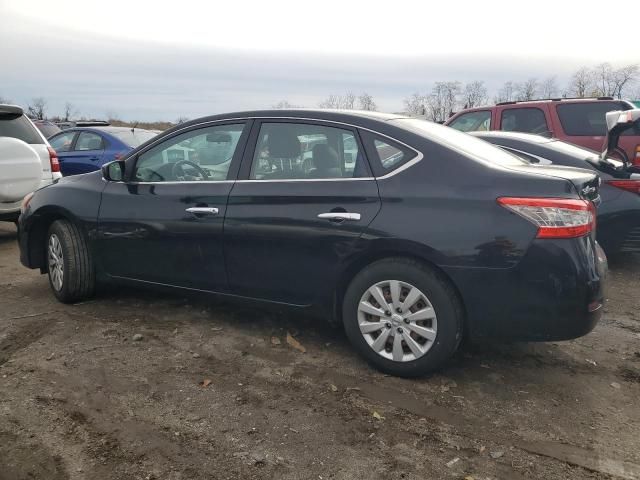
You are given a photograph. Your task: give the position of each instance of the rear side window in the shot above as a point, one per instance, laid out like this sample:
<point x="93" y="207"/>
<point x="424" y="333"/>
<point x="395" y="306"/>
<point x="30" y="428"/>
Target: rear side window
<point x="89" y="141"/>
<point x="528" y="120"/>
<point x="385" y="154"/>
<point x="18" y="126"/>
<point x="588" y="119"/>
<point x="473" y="121"/>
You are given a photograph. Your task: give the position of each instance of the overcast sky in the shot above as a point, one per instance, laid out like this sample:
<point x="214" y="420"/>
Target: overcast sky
<point x="143" y="60"/>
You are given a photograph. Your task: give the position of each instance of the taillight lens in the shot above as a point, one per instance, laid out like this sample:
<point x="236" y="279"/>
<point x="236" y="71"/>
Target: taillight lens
<point x="636" y="160"/>
<point x="632" y="186"/>
<point x="53" y="160"/>
<point x="554" y="217"/>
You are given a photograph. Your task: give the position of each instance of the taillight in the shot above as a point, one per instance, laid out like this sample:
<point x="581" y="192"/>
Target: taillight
<point x="636" y="160"/>
<point x="554" y="217"/>
<point x="632" y="186"/>
<point x="53" y="160"/>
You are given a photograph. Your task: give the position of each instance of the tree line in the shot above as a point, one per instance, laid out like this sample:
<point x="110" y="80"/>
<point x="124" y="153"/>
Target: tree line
<point x="444" y="98"/>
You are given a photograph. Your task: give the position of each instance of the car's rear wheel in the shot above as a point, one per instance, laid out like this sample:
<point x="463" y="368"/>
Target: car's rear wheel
<point x="69" y="262"/>
<point x="403" y="317"/>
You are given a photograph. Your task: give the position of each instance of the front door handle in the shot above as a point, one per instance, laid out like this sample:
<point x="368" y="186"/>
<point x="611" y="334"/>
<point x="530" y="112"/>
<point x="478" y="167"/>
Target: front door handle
<point x="203" y="210"/>
<point x="340" y="216"/>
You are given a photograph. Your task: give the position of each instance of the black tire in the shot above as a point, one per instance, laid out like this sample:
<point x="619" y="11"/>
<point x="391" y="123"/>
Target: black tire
<point x="441" y="295"/>
<point x="78" y="279"/>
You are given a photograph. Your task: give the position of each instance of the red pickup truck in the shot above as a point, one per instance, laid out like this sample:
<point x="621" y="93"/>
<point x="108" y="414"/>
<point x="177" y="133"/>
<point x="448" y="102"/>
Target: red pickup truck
<point x="575" y="120"/>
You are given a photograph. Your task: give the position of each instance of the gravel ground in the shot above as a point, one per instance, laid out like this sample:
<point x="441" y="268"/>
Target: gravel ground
<point x="209" y="390"/>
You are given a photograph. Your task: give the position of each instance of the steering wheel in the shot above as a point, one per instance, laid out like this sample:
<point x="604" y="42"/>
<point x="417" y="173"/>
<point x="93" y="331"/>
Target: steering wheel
<point x="177" y="171"/>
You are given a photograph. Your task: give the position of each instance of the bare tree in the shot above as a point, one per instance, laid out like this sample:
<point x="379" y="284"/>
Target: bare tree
<point x="474" y="94"/>
<point x="365" y="102"/>
<point x="527" y="90"/>
<point x="343" y="102"/>
<point x="5" y="100"/>
<point x="112" y="116"/>
<point x="603" y="79"/>
<point x="622" y="77"/>
<point x="284" y="104"/>
<point x="506" y="92"/>
<point x="70" y="111"/>
<point x="581" y="83"/>
<point x="549" y="88"/>
<point x="37" y="108"/>
<point x="415" y="104"/>
<point x="443" y="100"/>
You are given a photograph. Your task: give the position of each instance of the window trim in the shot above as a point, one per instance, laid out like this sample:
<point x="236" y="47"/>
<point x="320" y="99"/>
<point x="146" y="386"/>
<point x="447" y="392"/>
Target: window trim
<point x="252" y="144"/>
<point x="462" y="114"/>
<point x="541" y="110"/>
<point x="132" y="162"/>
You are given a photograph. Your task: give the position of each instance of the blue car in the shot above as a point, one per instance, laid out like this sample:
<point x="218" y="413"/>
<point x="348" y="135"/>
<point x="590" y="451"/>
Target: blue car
<point x="83" y="150"/>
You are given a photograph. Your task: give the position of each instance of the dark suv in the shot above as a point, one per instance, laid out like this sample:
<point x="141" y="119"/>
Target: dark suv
<point x="580" y="121"/>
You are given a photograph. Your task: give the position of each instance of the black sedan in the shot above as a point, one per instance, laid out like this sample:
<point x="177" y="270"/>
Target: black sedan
<point x="618" y="214"/>
<point x="408" y="232"/>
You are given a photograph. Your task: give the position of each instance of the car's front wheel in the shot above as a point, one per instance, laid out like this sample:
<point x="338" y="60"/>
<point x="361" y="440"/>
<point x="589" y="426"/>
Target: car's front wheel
<point x="69" y="262"/>
<point x="403" y="317"/>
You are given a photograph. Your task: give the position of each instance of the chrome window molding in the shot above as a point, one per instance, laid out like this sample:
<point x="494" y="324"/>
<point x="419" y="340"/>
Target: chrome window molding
<point x="419" y="156"/>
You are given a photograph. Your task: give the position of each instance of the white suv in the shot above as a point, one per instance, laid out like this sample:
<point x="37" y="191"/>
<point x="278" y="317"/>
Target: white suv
<point x="14" y="123"/>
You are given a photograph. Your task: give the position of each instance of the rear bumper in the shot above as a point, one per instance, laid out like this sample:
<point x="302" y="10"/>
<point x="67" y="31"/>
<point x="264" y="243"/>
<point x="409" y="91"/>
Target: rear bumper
<point x="556" y="292"/>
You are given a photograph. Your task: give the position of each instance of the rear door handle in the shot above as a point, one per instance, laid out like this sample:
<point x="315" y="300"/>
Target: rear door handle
<point x="340" y="216"/>
<point x="203" y="210"/>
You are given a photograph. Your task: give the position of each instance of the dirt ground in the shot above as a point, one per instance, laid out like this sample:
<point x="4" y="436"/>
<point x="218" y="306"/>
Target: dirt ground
<point x="215" y="391"/>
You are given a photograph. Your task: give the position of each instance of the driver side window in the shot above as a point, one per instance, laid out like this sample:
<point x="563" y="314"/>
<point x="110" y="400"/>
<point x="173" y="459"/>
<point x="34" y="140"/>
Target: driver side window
<point x="204" y="154"/>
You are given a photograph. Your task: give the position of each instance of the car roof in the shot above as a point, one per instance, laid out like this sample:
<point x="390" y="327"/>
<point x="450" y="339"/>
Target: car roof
<point x="525" y="137"/>
<point x="357" y="117"/>
<point x="105" y="129"/>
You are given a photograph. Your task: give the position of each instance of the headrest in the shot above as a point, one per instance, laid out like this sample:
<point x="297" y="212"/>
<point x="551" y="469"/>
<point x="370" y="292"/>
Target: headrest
<point x="283" y="143"/>
<point x="325" y="157"/>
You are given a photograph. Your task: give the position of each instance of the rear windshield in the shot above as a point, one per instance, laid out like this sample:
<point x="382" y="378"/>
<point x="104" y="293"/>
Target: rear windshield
<point x="48" y="129"/>
<point x="463" y="142"/>
<point x="135" y="138"/>
<point x="18" y="126"/>
<point x="588" y="119"/>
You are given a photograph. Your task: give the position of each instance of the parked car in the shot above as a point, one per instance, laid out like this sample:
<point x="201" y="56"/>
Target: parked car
<point x="47" y="128"/>
<point x="419" y="234"/>
<point x="86" y="149"/>
<point x="618" y="214"/>
<point x="580" y="121"/>
<point x="15" y="124"/>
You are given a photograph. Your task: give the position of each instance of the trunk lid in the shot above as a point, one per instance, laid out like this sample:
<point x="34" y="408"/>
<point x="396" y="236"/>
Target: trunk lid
<point x="586" y="182"/>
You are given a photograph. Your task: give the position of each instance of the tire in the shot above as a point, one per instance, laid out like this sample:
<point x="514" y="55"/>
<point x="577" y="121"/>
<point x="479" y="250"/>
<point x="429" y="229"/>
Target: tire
<point x="437" y="296"/>
<point x="76" y="280"/>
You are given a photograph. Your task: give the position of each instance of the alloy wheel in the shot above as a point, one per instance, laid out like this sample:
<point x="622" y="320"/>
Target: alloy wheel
<point x="397" y="320"/>
<point x="56" y="262"/>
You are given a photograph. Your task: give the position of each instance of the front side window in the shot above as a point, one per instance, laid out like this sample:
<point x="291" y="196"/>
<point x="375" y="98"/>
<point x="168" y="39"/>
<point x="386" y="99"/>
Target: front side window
<point x="62" y="143"/>
<point x="89" y="141"/>
<point x="204" y="154"/>
<point x="528" y="120"/>
<point x="473" y="121"/>
<point x="300" y="151"/>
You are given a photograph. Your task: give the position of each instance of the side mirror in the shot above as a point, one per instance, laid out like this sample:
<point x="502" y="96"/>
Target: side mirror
<point x="113" y="171"/>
